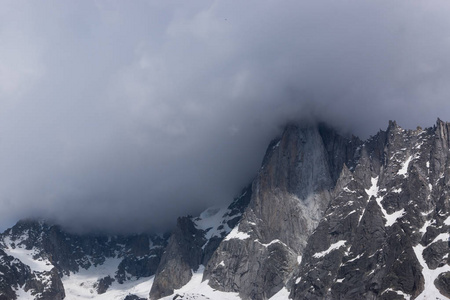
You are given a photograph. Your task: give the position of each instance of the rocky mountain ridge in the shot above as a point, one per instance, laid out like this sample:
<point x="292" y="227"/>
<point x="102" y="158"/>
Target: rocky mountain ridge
<point x="44" y="254"/>
<point x="385" y="237"/>
<point x="327" y="217"/>
<point x="39" y="260"/>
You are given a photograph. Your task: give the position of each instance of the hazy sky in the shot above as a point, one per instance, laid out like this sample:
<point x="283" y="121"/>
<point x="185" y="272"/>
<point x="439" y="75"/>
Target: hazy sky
<point x="123" y="115"/>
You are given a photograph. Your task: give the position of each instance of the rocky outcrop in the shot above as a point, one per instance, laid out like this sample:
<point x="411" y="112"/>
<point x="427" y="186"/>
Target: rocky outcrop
<point x="193" y="242"/>
<point x="386" y="239"/>
<point x="54" y="254"/>
<point x="289" y="196"/>
<point x="103" y="284"/>
<point x="133" y="297"/>
<point x="183" y="254"/>
<point x="13" y="274"/>
<point x="443" y="284"/>
<point x="46" y="285"/>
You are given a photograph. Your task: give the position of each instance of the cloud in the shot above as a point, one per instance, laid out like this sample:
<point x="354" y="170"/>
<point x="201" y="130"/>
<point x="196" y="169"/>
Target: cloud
<point x="122" y="117"/>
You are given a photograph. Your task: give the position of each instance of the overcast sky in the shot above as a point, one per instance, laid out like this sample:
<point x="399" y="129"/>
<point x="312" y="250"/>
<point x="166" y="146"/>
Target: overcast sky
<point x="123" y="115"/>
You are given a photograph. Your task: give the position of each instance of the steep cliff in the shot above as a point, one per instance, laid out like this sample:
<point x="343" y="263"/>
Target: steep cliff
<point x="193" y="242"/>
<point x="290" y="194"/>
<point x="387" y="238"/>
<point x="338" y="218"/>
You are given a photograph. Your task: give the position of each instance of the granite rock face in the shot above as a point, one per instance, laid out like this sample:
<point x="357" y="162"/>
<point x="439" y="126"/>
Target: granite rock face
<point x="338" y="218"/>
<point x="290" y="195"/>
<point x="193" y="242"/>
<point x="387" y="238"/>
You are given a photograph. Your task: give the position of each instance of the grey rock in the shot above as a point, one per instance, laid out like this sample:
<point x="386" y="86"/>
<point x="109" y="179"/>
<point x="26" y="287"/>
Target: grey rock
<point x="183" y="253"/>
<point x="443" y="284"/>
<point x="13" y="274"/>
<point x="376" y="258"/>
<point x="133" y="297"/>
<point x="435" y="254"/>
<point x="289" y="196"/>
<point x="103" y="284"/>
<point x="46" y="286"/>
<point x="188" y="247"/>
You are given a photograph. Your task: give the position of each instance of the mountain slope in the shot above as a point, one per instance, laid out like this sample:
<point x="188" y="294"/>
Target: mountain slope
<point x="376" y="228"/>
<point x="44" y="262"/>
<point x="327" y="217"/>
<point x="193" y="242"/>
<point x="386" y="239"/>
<point x="290" y="194"/>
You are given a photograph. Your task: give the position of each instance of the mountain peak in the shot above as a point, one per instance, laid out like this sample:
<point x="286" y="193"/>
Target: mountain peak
<point x="326" y="217"/>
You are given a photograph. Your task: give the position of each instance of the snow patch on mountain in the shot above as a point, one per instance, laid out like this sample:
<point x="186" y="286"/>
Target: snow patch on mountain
<point x="83" y="284"/>
<point x="211" y="220"/>
<point x="390" y="218"/>
<point x="332" y="247"/>
<point x="24" y="295"/>
<point x="236" y="234"/>
<point x="447" y="221"/>
<point x="430" y="291"/>
<point x="26" y="256"/>
<point x="196" y="289"/>
<point x="405" y="296"/>
<point x="404" y="169"/>
<point x="373" y="190"/>
<point x="283" y="294"/>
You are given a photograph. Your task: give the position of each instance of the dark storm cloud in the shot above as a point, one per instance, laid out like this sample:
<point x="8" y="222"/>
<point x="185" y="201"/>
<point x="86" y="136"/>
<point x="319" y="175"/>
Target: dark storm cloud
<point x="123" y="116"/>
